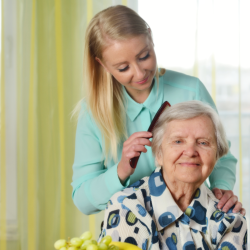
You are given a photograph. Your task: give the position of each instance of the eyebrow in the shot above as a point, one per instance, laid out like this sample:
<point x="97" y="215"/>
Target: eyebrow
<point x="175" y="137"/>
<point x="117" y="64"/>
<point x="178" y="136"/>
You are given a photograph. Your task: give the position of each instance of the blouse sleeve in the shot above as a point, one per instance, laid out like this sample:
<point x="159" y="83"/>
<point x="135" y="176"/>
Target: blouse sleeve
<point x="93" y="184"/>
<point x="223" y="175"/>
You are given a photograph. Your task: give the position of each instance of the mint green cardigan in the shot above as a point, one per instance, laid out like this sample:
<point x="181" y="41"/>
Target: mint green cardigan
<point x="94" y="184"/>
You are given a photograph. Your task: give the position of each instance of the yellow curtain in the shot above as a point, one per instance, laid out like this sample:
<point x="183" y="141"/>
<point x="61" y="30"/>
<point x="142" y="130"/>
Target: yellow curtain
<point x="3" y="222"/>
<point x="48" y="53"/>
<point x="50" y="41"/>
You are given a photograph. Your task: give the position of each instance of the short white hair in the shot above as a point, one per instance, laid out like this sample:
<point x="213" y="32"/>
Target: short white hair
<point x="184" y="111"/>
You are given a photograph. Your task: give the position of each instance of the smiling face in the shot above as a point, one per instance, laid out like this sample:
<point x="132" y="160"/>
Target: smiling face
<point x="188" y="151"/>
<point x="132" y="62"/>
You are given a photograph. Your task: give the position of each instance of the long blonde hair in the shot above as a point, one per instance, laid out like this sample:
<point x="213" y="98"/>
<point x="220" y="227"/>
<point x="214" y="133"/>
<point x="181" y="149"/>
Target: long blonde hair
<point x="104" y="96"/>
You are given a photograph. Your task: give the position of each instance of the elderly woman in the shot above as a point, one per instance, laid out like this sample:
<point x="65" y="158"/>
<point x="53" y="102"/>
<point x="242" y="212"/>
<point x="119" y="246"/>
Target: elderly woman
<point x="172" y="208"/>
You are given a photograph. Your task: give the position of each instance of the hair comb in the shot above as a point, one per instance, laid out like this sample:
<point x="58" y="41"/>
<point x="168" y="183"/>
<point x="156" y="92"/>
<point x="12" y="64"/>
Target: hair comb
<point x="165" y="105"/>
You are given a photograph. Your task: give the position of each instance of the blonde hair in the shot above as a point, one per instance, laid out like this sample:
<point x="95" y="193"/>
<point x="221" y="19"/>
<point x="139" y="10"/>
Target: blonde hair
<point x="104" y="96"/>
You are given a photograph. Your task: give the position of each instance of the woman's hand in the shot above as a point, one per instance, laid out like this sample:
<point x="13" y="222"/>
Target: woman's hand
<point x="132" y="147"/>
<point x="227" y="200"/>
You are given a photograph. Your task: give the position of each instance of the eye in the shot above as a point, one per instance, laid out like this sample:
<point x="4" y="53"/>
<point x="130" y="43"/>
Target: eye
<point x="144" y="58"/>
<point x="124" y="69"/>
<point x="203" y="143"/>
<point x="178" y="141"/>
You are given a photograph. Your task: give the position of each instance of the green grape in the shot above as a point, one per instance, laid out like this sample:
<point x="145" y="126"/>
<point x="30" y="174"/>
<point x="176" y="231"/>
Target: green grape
<point x="113" y="247"/>
<point x="92" y="247"/>
<point x="107" y="240"/>
<point x="85" y="244"/>
<point x="72" y="248"/>
<point x="94" y="242"/>
<point x="86" y="235"/>
<point x="60" y="243"/>
<point x="76" y="242"/>
<point x="102" y="246"/>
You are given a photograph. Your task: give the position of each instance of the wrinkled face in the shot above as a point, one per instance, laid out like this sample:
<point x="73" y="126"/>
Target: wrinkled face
<point x="188" y="151"/>
<point x="132" y="62"/>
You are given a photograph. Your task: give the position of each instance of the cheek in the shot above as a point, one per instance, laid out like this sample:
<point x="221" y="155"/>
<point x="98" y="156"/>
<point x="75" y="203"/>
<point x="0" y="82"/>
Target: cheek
<point x="210" y="158"/>
<point x="149" y="64"/>
<point x="152" y="64"/>
<point x="122" y="78"/>
<point x="172" y="154"/>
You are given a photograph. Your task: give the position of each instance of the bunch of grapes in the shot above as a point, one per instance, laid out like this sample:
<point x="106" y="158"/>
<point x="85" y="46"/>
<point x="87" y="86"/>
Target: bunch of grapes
<point x="84" y="242"/>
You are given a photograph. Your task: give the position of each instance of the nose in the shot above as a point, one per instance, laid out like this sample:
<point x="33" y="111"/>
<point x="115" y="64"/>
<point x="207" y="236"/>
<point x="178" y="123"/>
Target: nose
<point x="190" y="150"/>
<point x="139" y="72"/>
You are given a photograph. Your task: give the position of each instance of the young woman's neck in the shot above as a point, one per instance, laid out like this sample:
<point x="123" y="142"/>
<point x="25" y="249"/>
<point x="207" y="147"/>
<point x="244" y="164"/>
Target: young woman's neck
<point x="140" y="97"/>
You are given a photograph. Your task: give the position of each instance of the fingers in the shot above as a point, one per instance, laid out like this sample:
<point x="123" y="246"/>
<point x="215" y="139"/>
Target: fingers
<point x="141" y="141"/>
<point x="135" y="150"/>
<point x="218" y="193"/>
<point x="132" y="147"/>
<point x="143" y="134"/>
<point x="238" y="207"/>
<point x="227" y="201"/>
<point x="135" y="145"/>
<point x="243" y="211"/>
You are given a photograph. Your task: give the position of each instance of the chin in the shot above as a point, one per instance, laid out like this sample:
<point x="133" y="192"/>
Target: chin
<point x="142" y="87"/>
<point x="192" y="180"/>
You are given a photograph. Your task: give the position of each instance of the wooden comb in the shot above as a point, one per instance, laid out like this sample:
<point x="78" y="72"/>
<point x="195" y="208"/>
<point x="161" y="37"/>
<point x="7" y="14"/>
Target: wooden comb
<point x="133" y="161"/>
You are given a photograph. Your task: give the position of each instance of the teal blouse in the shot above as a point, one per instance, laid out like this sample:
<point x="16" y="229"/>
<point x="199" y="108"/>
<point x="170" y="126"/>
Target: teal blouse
<point x="94" y="183"/>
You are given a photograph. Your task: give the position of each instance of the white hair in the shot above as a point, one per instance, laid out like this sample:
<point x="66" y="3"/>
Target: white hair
<point x="184" y="111"/>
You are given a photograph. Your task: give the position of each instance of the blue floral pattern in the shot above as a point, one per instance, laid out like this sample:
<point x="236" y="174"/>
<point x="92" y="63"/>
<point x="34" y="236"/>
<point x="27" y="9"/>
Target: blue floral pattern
<point x="145" y="214"/>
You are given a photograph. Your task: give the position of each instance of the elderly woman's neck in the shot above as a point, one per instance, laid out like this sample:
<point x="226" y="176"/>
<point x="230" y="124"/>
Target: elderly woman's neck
<point x="182" y="193"/>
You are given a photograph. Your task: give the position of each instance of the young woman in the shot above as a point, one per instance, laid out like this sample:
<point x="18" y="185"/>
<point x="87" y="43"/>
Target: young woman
<point x="124" y="90"/>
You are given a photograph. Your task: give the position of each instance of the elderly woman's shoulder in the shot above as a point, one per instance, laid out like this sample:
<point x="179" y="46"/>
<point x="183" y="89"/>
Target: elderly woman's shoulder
<point x="222" y="222"/>
<point x="178" y="79"/>
<point x="138" y="190"/>
<point x="213" y="202"/>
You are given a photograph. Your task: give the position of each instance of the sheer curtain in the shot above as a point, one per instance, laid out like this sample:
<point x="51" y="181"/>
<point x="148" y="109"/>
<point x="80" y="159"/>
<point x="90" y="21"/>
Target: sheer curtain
<point x="210" y="39"/>
<point x="41" y="82"/>
<point x="41" y="74"/>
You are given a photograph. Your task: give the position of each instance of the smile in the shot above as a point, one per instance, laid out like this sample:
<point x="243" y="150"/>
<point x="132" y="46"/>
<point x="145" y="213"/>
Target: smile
<point x="143" y="81"/>
<point x="189" y="164"/>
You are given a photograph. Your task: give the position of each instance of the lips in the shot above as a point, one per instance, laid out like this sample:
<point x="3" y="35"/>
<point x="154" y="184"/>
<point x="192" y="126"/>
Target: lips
<point x="143" y="81"/>
<point x="190" y="164"/>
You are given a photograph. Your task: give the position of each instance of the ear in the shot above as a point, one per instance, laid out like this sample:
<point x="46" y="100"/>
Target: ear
<point x="159" y="157"/>
<point x="99" y="60"/>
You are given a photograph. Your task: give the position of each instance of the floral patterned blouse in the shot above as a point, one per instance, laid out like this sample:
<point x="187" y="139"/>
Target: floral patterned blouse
<point x="145" y="214"/>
